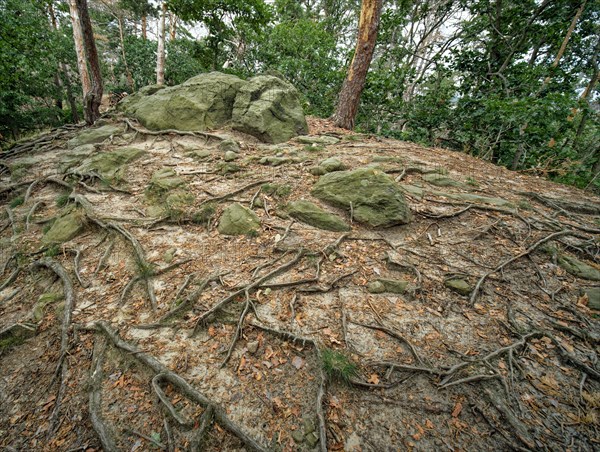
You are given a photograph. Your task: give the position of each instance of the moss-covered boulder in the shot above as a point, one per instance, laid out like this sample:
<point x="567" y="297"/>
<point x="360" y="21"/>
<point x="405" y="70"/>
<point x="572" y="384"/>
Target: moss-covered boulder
<point x="322" y="140"/>
<point x="97" y="135"/>
<point x="578" y="268"/>
<point x="43" y="301"/>
<point x="229" y="145"/>
<point x="440" y="180"/>
<point x="199" y="155"/>
<point x="458" y="285"/>
<point x="309" y="213"/>
<point x="65" y="228"/>
<point x="201" y="103"/>
<point x="111" y="166"/>
<point x="238" y="220"/>
<point x="75" y="156"/>
<point x="269" y="109"/>
<point x="373" y="196"/>
<point x="328" y="166"/>
<point x="593" y="295"/>
<point x="165" y="179"/>
<point x="382" y="285"/>
<point x="476" y="199"/>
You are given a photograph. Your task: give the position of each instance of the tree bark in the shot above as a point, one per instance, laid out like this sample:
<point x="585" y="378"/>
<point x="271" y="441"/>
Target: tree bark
<point x="128" y="74"/>
<point x="70" y="97"/>
<point x="86" y="84"/>
<point x="144" y="27"/>
<point x="172" y="26"/>
<point x="160" y="55"/>
<point x="93" y="98"/>
<point x="349" y="99"/>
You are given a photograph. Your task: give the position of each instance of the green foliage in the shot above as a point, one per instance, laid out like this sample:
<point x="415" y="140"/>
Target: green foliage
<point x="62" y="200"/>
<point x="16" y="202"/>
<point x="52" y="251"/>
<point x="306" y="54"/>
<point x="29" y="55"/>
<point x="337" y="366"/>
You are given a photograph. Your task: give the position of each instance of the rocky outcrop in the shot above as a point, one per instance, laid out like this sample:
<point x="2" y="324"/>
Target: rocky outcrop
<point x="201" y="103"/>
<point x="264" y="106"/>
<point x="372" y="196"/>
<point x="269" y="109"/>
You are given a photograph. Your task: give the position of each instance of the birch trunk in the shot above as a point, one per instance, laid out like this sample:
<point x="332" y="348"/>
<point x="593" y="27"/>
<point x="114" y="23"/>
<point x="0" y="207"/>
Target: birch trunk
<point x="160" y="55"/>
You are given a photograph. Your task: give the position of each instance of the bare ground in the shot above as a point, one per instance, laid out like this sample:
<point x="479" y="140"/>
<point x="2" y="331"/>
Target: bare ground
<point x="510" y="366"/>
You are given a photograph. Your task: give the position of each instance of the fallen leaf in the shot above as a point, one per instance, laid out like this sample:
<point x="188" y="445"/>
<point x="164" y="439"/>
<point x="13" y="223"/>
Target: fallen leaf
<point x="457" y="409"/>
<point x="374" y="379"/>
<point x="297" y="362"/>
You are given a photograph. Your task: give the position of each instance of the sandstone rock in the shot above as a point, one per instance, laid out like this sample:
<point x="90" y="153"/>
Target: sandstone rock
<point x="230" y="156"/>
<point x="238" y="220"/>
<point x="322" y="140"/>
<point x="593" y="294"/>
<point x="374" y="197"/>
<point x="110" y="165"/>
<point x="165" y="179"/>
<point x="442" y="181"/>
<point x="578" y="268"/>
<point x="458" y="285"/>
<point x="310" y="213"/>
<point x="381" y="285"/>
<point x="201" y="103"/>
<point x="91" y="136"/>
<point x="269" y="109"/>
<point x="229" y="145"/>
<point x="65" y="228"/>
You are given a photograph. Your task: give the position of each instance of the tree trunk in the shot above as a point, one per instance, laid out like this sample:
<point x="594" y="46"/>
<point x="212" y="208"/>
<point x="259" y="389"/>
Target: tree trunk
<point x="70" y="97"/>
<point x="561" y="51"/>
<point x="349" y="99"/>
<point x="563" y="46"/>
<point x="130" y="81"/>
<point x="173" y="26"/>
<point x="144" y="27"/>
<point x="160" y="55"/>
<point x="92" y="100"/>
<point x="86" y="84"/>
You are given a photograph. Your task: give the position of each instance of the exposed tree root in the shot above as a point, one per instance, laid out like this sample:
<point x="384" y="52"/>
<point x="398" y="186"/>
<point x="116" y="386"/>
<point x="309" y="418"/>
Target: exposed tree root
<point x="233" y="193"/>
<point x="69" y="304"/>
<point x="253" y="285"/>
<point x="104" y="431"/>
<point x="144" y="131"/>
<point x="180" y="383"/>
<point x="528" y="251"/>
<point x="321" y="391"/>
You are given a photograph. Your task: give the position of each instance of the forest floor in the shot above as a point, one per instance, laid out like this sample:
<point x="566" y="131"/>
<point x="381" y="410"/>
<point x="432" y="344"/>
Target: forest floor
<point x="148" y="333"/>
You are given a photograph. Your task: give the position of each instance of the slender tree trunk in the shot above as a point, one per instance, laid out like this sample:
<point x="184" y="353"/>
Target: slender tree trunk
<point x="86" y="84"/>
<point x="561" y="51"/>
<point x="130" y="81"/>
<point x="93" y="98"/>
<point x="160" y="55"/>
<point x="144" y="27"/>
<point x="173" y="26"/>
<point x="349" y="99"/>
<point x="70" y="96"/>
<point x="563" y="46"/>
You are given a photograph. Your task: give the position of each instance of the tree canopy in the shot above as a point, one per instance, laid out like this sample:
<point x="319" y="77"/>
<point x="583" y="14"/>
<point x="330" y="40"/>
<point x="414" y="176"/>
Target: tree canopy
<point x="511" y="81"/>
